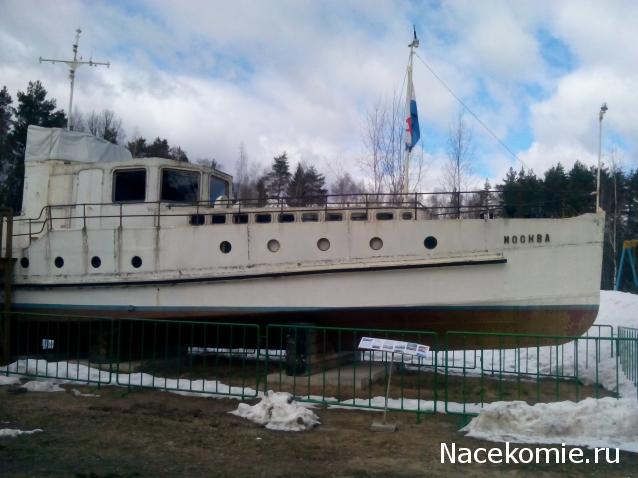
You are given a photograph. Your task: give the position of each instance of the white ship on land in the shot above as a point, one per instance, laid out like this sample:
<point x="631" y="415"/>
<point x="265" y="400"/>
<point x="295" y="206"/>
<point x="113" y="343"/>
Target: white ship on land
<point x="104" y="234"/>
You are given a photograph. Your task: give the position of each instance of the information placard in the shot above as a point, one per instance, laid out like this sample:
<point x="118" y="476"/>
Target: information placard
<point x="393" y="346"/>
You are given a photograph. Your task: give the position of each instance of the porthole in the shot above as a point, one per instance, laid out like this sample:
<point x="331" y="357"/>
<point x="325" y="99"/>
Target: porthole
<point x="136" y="262"/>
<point x="225" y="247"/>
<point x="96" y="262"/>
<point x="430" y="242"/>
<point x="59" y="262"/>
<point x="273" y="245"/>
<point x="376" y="243"/>
<point x="24" y="262"/>
<point x="323" y="244"/>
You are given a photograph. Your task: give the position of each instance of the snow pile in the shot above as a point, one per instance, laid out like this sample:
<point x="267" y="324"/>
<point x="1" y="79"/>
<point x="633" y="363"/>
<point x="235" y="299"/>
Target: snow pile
<point x="42" y="386"/>
<point x="606" y="422"/>
<point x="278" y="411"/>
<point x="9" y="380"/>
<point x="12" y="432"/>
<point x="619" y="309"/>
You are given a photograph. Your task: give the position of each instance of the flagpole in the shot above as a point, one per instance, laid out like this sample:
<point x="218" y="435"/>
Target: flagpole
<point x="408" y="152"/>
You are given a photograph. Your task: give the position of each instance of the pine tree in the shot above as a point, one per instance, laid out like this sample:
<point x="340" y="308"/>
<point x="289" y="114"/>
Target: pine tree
<point x="277" y="180"/>
<point x="297" y="188"/>
<point x="582" y="182"/>
<point x="556" y="184"/>
<point x="6" y="113"/>
<point x="315" y="184"/>
<point x="33" y="109"/>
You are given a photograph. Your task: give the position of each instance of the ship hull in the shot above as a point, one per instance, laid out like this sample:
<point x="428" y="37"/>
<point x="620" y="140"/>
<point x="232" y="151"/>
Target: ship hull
<point x="530" y="326"/>
<point x="499" y="276"/>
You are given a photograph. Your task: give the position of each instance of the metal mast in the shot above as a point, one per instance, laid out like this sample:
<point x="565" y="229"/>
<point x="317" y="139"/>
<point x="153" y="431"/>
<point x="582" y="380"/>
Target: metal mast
<point x="603" y="110"/>
<point x="73" y="65"/>
<point x="406" y="171"/>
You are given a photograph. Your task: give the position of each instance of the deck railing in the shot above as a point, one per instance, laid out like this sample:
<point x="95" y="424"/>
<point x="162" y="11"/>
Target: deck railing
<point x="432" y="205"/>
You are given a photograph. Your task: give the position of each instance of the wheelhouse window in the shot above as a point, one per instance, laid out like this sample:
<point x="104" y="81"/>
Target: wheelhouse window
<point x="218" y="187"/>
<point x="129" y="185"/>
<point x="179" y="185"/>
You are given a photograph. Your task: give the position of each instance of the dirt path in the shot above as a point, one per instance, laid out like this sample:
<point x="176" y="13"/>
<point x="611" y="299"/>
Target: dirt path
<point x="150" y="433"/>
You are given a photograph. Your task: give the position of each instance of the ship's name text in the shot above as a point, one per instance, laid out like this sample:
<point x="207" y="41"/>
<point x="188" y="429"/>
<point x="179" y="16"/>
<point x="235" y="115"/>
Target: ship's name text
<point x="526" y="239"/>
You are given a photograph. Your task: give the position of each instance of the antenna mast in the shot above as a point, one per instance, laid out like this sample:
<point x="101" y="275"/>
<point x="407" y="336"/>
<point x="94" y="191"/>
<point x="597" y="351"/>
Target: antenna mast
<point x="73" y="65"/>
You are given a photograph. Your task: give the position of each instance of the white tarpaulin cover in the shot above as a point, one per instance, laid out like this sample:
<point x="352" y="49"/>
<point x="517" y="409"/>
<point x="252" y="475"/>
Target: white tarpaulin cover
<point x="57" y="143"/>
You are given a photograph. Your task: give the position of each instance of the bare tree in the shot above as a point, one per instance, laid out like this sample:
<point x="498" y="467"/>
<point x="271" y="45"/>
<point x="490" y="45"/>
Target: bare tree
<point x="345" y="187"/>
<point x="77" y="122"/>
<point x="105" y="125"/>
<point x="211" y="163"/>
<point x="386" y="157"/>
<point x="242" y="179"/>
<point x="458" y="167"/>
<point x="614" y="215"/>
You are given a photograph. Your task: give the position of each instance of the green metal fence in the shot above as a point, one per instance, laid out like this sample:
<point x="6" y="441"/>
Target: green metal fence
<point x="324" y="365"/>
<point x="182" y="356"/>
<point x="628" y="353"/>
<point x="557" y="368"/>
<point x="77" y="348"/>
<point x="188" y="356"/>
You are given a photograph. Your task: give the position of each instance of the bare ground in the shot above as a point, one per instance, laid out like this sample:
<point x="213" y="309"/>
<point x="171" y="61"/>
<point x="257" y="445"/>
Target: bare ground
<point x="152" y="433"/>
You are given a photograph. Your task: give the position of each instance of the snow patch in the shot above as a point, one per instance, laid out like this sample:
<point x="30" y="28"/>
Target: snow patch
<point x="12" y="432"/>
<point x="10" y="380"/>
<point x="619" y="309"/>
<point x="278" y="411"/>
<point x="42" y="386"/>
<point x="604" y="422"/>
<point x="77" y="393"/>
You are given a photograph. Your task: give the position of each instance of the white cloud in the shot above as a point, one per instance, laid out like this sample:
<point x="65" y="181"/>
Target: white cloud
<point x="299" y="75"/>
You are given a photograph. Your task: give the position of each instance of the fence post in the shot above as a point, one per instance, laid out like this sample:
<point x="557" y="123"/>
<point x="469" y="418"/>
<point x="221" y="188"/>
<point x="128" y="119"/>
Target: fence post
<point x="7" y="270"/>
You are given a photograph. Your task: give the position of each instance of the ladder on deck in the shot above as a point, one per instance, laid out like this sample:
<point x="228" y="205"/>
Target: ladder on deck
<point x="628" y="252"/>
<point x="6" y="272"/>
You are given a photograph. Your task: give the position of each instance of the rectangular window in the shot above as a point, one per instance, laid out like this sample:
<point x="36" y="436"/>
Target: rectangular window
<point x="286" y="217"/>
<point x="218" y="219"/>
<point x="359" y="216"/>
<point x="309" y="217"/>
<point x="129" y="185"/>
<point x="180" y="185"/>
<point x="334" y="216"/>
<point x="240" y="218"/>
<point x="406" y="215"/>
<point x="263" y="218"/>
<point x="217" y="187"/>
<point x="197" y="219"/>
<point x="385" y="216"/>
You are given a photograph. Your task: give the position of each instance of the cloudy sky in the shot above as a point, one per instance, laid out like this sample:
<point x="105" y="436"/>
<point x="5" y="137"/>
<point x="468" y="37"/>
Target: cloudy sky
<point x="301" y="75"/>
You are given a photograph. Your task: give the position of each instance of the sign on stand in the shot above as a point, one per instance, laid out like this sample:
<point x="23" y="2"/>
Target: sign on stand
<point x="392" y="347"/>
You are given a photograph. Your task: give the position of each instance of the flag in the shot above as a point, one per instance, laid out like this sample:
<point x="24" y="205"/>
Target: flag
<point x="412" y="130"/>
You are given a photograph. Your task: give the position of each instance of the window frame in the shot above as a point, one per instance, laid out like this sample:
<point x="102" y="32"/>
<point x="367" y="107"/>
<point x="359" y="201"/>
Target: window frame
<point x="210" y="180"/>
<point x="129" y="169"/>
<point x="161" y="181"/>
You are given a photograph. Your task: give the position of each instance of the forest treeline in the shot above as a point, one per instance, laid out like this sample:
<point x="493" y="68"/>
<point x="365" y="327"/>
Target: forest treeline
<point x="521" y="194"/>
